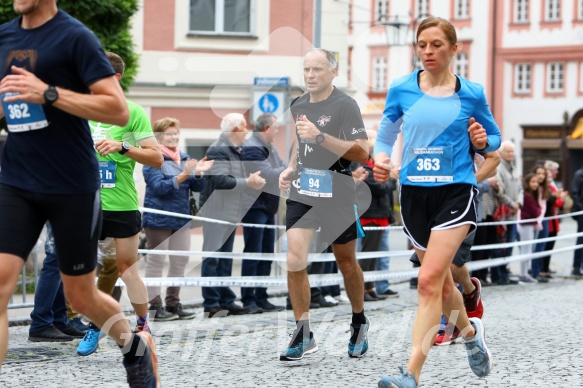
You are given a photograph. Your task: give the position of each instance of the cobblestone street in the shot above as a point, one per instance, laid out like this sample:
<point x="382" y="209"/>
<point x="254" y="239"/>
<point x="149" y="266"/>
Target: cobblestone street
<point x="534" y="333"/>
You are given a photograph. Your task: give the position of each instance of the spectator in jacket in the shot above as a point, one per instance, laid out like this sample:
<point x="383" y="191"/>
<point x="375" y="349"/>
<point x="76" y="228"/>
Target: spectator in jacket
<point x="527" y="226"/>
<point x="260" y="155"/>
<point x="577" y="196"/>
<point x="542" y="226"/>
<point x="554" y="204"/>
<point x="168" y="189"/>
<point x="377" y="215"/>
<point x="222" y="199"/>
<point x="510" y="194"/>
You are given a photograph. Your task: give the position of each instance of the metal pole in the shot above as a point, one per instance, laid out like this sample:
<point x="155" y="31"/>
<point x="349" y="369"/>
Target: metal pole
<point x="318" y="23"/>
<point x="565" y="153"/>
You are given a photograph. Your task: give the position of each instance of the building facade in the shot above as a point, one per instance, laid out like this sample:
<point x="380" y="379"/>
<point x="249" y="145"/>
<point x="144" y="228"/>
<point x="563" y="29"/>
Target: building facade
<point x="199" y="59"/>
<point x="528" y="54"/>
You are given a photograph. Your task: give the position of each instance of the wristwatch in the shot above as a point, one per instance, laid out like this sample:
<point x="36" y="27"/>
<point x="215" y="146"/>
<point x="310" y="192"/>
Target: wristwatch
<point x="320" y="138"/>
<point x="51" y="95"/>
<point x="125" y="147"/>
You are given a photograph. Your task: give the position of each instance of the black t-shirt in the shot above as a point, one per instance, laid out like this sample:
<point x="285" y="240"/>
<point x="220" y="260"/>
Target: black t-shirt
<point x="337" y="116"/>
<point x="58" y="158"/>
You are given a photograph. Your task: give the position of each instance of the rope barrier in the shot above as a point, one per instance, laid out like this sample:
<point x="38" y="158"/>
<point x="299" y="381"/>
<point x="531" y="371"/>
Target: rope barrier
<point x="282" y="227"/>
<point x="330" y="279"/>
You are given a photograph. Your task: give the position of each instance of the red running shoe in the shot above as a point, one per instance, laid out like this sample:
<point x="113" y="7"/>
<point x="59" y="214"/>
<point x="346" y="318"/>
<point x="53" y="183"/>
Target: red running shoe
<point x="450" y="335"/>
<point x="473" y="301"/>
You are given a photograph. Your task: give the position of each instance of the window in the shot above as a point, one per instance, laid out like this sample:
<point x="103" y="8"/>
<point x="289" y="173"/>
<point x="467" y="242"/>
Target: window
<point x="462" y="9"/>
<point x="461" y="64"/>
<point x="522" y="77"/>
<point x="552" y="10"/>
<point x="381" y="10"/>
<point x="379" y="71"/>
<point x="580" y="10"/>
<point x="520" y="11"/>
<point x="422" y="8"/>
<point x="221" y="17"/>
<point x="554" y="77"/>
<point x="417" y="65"/>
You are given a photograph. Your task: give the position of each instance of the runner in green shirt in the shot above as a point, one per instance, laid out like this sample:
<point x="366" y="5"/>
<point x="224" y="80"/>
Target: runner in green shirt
<point x="118" y="149"/>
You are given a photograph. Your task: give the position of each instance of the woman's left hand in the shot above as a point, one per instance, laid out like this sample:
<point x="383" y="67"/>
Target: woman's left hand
<point x="203" y="165"/>
<point x="478" y="135"/>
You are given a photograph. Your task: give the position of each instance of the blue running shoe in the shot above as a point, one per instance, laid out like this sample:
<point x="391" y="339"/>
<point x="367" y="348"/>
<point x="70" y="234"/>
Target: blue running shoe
<point x="299" y="347"/>
<point x="89" y="343"/>
<point x="358" y="343"/>
<point x="478" y="354"/>
<point x="405" y="379"/>
<point x="144" y="372"/>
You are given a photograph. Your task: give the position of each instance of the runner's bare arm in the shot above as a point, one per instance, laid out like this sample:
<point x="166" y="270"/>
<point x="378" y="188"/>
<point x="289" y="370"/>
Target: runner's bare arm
<point x="488" y="167"/>
<point x="148" y="153"/>
<point x="105" y="104"/>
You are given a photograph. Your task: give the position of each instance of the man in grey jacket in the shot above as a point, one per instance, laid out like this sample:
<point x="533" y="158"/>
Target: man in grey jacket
<point x="222" y="199"/>
<point x="260" y="155"/>
<point x="509" y="194"/>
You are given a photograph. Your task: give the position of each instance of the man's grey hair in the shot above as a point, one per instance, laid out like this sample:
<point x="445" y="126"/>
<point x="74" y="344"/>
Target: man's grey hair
<point x="505" y="144"/>
<point x="551" y="165"/>
<point x="231" y="121"/>
<point x="329" y="56"/>
<point x="266" y="119"/>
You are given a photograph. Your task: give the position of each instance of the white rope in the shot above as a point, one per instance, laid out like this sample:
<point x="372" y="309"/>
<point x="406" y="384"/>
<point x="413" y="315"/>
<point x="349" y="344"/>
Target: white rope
<point x="282" y="227"/>
<point x="329" y="279"/>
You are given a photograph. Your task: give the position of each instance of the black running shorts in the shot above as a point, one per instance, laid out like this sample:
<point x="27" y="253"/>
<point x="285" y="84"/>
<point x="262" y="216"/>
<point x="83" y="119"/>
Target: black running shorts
<point x="424" y="209"/>
<point x="338" y="225"/>
<point x="462" y="256"/>
<point x="75" y="219"/>
<point x="121" y="224"/>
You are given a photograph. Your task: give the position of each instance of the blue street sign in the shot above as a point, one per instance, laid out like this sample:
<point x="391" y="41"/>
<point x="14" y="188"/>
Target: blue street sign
<point x="268" y="103"/>
<point x="271" y="81"/>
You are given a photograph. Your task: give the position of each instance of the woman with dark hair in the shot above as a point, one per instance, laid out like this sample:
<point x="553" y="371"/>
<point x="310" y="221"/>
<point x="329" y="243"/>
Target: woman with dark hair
<point x="527" y="222"/>
<point x="542" y="226"/>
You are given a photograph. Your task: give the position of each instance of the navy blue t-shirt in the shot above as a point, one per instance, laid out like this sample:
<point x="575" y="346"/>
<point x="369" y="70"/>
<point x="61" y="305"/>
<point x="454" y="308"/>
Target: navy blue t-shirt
<point x="58" y="158"/>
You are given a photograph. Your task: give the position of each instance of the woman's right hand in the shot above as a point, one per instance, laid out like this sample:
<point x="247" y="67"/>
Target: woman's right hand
<point x="382" y="168"/>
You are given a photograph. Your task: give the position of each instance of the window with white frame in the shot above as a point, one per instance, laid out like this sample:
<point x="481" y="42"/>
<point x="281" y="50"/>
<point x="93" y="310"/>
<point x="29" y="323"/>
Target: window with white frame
<point x="381" y="10"/>
<point x="580" y="10"/>
<point x="461" y="64"/>
<point x="520" y="11"/>
<point x="522" y="78"/>
<point x="552" y="10"/>
<point x="417" y="64"/>
<point x="462" y="9"/>
<point x="379" y="71"/>
<point x="555" y="77"/>
<point x="221" y="17"/>
<point x="422" y="8"/>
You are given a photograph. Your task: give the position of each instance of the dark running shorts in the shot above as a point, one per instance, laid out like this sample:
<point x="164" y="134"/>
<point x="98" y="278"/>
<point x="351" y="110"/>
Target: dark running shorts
<point x="121" y="224"/>
<point x="339" y="225"/>
<point x="462" y="256"/>
<point x="424" y="209"/>
<point x="75" y="219"/>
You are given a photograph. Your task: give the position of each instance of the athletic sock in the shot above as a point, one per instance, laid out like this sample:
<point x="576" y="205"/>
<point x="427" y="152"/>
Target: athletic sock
<point x="358" y="318"/>
<point x="472" y="294"/>
<point x="130" y="351"/>
<point x="94" y="326"/>
<point x="141" y="320"/>
<point x="304" y="327"/>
